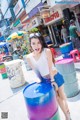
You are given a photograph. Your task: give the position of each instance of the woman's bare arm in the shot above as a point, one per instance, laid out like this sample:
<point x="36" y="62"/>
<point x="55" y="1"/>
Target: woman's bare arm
<point x="50" y="63"/>
<point x="52" y="72"/>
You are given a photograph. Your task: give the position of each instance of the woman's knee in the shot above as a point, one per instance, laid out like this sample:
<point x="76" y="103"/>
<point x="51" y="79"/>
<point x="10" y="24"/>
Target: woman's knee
<point x="62" y="94"/>
<point x="57" y="97"/>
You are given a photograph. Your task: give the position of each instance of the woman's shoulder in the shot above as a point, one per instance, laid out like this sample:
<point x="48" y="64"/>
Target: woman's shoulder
<point x="47" y="50"/>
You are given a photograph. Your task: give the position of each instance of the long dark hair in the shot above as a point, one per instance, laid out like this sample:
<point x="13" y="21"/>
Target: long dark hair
<point x="43" y="43"/>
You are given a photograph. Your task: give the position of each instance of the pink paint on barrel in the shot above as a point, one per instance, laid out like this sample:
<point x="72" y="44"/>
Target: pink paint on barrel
<point x="64" y="61"/>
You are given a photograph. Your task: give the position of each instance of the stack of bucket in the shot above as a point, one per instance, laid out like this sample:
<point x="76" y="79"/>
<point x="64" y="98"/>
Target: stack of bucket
<point x="65" y="49"/>
<point x="67" y="69"/>
<point x="41" y="102"/>
<point x="3" y="71"/>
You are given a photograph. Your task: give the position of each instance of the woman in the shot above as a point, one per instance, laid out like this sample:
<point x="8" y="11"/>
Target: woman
<point x="41" y="61"/>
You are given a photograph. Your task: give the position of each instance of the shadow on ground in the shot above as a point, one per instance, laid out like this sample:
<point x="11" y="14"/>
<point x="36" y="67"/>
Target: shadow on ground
<point x="18" y="89"/>
<point x="75" y="98"/>
<point x="10" y="92"/>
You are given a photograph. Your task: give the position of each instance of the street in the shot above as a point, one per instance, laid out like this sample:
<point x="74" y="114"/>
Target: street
<point x="12" y="100"/>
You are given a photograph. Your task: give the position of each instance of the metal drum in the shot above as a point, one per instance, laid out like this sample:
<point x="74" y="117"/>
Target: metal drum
<point x="67" y="69"/>
<point x="15" y="73"/>
<point x="41" y="101"/>
<point x="65" y="66"/>
<point x="71" y="89"/>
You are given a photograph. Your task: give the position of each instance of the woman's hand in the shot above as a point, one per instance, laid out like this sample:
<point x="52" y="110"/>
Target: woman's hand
<point x="55" y="85"/>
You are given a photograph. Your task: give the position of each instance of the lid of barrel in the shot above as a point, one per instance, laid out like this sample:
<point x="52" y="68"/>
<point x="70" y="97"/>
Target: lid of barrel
<point x="64" y="61"/>
<point x="13" y="62"/>
<point x="36" y="90"/>
<point x="65" y="44"/>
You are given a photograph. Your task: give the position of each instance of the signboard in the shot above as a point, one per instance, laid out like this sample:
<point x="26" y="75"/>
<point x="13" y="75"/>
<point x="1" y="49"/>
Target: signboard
<point x="17" y="22"/>
<point x="56" y="14"/>
<point x="36" y="21"/>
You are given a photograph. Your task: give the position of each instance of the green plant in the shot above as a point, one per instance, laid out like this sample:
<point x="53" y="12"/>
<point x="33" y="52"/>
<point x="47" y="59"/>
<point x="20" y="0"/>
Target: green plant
<point x="33" y="30"/>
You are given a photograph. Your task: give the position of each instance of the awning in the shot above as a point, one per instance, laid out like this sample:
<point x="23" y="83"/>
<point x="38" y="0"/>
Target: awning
<point x="35" y="10"/>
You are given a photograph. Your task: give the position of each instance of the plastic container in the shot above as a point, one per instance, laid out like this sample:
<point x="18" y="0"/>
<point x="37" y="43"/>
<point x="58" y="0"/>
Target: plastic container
<point x="3" y="71"/>
<point x="66" y="48"/>
<point x="71" y="89"/>
<point x="4" y="76"/>
<point x="66" y="55"/>
<point x="65" y="66"/>
<point x="67" y="69"/>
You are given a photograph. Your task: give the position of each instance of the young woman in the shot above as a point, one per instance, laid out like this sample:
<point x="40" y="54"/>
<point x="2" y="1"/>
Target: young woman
<point x="41" y="61"/>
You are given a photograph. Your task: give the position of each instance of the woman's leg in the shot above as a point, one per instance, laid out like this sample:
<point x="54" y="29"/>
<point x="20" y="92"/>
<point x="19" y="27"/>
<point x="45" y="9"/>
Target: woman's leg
<point x="63" y="96"/>
<point x="63" y="102"/>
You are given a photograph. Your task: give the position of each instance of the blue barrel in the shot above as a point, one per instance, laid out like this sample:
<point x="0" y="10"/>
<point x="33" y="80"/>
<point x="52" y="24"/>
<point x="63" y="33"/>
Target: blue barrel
<point x="41" y="101"/>
<point x="66" y="55"/>
<point x="66" y="48"/>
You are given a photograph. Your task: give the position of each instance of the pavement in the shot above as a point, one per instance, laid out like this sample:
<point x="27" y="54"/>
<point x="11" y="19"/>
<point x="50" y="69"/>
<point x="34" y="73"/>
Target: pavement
<point x="12" y="104"/>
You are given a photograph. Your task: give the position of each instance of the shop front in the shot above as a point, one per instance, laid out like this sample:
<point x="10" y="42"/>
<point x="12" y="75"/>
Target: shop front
<point x="36" y="25"/>
<point x="54" y="23"/>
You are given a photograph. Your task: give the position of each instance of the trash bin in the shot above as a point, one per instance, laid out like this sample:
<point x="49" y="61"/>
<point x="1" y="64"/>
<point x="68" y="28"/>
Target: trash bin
<point x="41" y="102"/>
<point x="3" y="71"/>
<point x="15" y="73"/>
<point x="67" y="69"/>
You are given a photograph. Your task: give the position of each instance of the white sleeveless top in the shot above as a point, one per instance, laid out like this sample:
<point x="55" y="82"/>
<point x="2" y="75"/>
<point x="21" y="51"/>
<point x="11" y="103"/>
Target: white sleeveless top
<point x="41" y="64"/>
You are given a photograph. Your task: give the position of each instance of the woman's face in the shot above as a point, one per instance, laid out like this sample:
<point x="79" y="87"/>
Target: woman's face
<point x="36" y="45"/>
